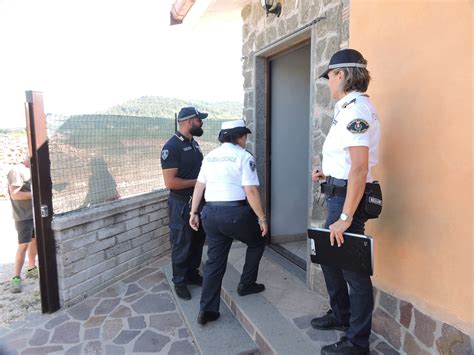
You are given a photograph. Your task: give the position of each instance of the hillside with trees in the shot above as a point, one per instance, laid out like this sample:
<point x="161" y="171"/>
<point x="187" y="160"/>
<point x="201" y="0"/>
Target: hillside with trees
<point x="158" y="106"/>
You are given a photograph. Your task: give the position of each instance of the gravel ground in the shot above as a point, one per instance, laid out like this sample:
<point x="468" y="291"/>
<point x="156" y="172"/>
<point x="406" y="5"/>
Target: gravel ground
<point x="14" y="306"/>
<point x="17" y="306"/>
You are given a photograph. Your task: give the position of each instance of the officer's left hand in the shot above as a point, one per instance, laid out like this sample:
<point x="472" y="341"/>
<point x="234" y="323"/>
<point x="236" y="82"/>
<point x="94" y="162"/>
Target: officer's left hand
<point x="194" y="221"/>
<point x="337" y="231"/>
<point x="263" y="228"/>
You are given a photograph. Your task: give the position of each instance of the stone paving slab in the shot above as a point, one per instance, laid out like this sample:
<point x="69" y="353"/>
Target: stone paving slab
<point x="136" y="315"/>
<point x="224" y="336"/>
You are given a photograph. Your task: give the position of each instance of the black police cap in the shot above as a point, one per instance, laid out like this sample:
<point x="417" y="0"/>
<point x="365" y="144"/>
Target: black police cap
<point x="189" y="112"/>
<point x="345" y="58"/>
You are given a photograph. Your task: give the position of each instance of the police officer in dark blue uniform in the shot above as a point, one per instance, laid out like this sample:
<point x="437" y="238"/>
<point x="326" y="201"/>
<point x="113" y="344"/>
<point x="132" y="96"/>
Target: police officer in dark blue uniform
<point x="181" y="159"/>
<point x="349" y="154"/>
<point x="233" y="211"/>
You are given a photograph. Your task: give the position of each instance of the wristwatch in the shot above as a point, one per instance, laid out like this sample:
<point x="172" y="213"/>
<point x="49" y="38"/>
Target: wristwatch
<point x="345" y="217"/>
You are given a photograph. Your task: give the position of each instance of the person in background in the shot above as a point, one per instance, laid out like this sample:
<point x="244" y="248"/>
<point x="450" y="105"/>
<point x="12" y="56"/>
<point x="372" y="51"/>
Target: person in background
<point x="19" y="189"/>
<point x="349" y="154"/>
<point x="233" y="211"/>
<point x="181" y="159"/>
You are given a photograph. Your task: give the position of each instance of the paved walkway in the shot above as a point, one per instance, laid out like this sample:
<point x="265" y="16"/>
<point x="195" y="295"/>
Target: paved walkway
<point x="135" y="315"/>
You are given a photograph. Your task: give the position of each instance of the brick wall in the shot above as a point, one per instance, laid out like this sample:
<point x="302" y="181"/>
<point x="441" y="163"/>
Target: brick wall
<point x="98" y="246"/>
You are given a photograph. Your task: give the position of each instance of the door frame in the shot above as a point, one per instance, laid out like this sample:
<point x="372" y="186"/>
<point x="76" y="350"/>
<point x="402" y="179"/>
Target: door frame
<point x="262" y="115"/>
<point x="263" y="107"/>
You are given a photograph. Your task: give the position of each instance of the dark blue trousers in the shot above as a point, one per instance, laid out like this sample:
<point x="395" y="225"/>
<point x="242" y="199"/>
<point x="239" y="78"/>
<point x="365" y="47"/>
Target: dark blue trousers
<point x="353" y="305"/>
<point x="222" y="226"/>
<point x="186" y="244"/>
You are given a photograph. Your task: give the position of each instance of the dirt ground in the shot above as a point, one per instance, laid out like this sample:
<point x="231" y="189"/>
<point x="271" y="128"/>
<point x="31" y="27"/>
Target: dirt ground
<point x="14" y="307"/>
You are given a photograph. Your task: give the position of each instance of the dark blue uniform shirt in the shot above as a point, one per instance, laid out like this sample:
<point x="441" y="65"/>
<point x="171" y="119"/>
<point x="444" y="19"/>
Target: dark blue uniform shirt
<point x="182" y="154"/>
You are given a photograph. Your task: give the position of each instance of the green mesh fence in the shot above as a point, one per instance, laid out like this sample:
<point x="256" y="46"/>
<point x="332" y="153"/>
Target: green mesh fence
<point x="101" y="158"/>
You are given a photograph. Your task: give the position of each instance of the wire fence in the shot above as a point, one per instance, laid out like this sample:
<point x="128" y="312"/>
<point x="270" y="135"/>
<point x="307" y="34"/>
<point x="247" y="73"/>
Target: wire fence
<point x="101" y="158"/>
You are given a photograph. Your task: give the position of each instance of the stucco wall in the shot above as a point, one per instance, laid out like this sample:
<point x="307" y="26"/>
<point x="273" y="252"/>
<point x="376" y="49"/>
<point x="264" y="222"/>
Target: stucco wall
<point x="97" y="247"/>
<point x="420" y="57"/>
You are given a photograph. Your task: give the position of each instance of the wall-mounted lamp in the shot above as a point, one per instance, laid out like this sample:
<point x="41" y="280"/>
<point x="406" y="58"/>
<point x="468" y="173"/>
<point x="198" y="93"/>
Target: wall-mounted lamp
<point x="271" y="7"/>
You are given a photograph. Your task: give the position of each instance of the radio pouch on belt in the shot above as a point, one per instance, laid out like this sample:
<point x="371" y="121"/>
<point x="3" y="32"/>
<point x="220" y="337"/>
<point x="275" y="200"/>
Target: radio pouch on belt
<point x="373" y="199"/>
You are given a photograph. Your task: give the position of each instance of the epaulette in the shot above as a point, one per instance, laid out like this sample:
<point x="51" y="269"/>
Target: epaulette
<point x="348" y="103"/>
<point x="352" y="101"/>
<point x="181" y="138"/>
<point x="248" y="151"/>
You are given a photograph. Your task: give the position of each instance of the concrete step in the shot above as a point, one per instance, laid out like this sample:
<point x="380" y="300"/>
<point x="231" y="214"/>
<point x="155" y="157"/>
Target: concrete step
<point x="272" y="318"/>
<point x="279" y="318"/>
<point x="225" y="336"/>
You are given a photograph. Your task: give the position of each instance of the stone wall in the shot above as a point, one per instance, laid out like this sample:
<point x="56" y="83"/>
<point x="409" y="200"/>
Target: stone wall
<point x="328" y="35"/>
<point x="411" y="331"/>
<point x="98" y="246"/>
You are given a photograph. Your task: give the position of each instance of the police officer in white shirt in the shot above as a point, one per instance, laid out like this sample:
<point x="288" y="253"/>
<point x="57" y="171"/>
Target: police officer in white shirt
<point x="349" y="154"/>
<point x="233" y="210"/>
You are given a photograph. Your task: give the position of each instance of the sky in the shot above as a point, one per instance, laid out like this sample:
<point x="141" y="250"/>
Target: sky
<point x="88" y="55"/>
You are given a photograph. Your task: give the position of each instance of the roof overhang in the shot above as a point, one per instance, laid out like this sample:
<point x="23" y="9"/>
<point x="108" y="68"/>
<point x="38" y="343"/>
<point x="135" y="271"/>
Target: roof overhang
<point x="203" y="10"/>
<point x="179" y="10"/>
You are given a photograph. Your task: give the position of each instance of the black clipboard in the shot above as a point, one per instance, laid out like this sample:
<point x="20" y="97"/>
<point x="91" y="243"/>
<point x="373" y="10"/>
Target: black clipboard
<point x="356" y="254"/>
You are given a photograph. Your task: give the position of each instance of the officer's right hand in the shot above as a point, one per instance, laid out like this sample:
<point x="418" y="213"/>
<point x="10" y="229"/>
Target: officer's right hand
<point x="194" y="221"/>
<point x="318" y="175"/>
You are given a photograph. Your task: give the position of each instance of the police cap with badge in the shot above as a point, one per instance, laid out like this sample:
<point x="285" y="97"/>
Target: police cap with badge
<point x="345" y="58"/>
<point x="236" y="128"/>
<point x="187" y="113"/>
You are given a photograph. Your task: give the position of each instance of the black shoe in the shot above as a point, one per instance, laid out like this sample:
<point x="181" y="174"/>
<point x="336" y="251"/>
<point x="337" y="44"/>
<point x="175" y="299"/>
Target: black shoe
<point x="328" y="322"/>
<point x="248" y="290"/>
<point x="182" y="292"/>
<point x="344" y="346"/>
<point x="207" y="316"/>
<point x="195" y="279"/>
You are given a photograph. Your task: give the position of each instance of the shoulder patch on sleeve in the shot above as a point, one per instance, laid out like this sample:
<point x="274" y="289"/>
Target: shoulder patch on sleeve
<point x="358" y="125"/>
<point x="164" y="154"/>
<point x="253" y="166"/>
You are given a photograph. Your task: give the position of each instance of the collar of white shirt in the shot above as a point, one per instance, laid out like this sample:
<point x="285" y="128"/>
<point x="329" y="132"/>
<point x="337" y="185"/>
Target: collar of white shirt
<point x="231" y="145"/>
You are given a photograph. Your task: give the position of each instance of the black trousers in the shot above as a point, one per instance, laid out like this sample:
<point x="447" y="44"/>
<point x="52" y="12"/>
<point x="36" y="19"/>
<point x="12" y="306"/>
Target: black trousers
<point x="355" y="306"/>
<point x="186" y="244"/>
<point x="223" y="224"/>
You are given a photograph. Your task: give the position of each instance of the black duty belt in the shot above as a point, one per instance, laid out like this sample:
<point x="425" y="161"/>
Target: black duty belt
<point x="328" y="188"/>
<point x="333" y="190"/>
<point x="183" y="198"/>
<point x="227" y="203"/>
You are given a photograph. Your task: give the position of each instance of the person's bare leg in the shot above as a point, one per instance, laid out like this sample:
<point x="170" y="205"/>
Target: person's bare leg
<point x="20" y="258"/>
<point x="32" y="254"/>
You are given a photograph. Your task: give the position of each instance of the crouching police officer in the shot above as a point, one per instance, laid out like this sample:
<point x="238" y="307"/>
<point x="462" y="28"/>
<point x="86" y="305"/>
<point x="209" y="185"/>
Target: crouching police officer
<point x="349" y="154"/>
<point x="181" y="159"/>
<point x="233" y="210"/>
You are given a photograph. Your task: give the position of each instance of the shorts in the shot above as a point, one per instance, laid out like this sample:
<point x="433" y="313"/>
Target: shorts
<point x="26" y="231"/>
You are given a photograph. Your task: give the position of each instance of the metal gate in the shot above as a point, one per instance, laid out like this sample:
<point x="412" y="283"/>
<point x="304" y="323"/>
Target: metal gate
<point x="42" y="200"/>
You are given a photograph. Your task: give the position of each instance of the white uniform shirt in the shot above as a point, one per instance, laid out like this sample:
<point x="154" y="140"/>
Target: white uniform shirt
<point x="225" y="171"/>
<point x="355" y="124"/>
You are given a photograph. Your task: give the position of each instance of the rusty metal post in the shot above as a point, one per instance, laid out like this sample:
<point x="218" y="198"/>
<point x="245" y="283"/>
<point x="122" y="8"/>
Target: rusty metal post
<point x="42" y="200"/>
